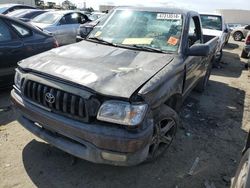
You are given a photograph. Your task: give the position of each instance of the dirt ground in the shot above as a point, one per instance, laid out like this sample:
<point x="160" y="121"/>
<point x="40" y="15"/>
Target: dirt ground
<point x="213" y="133"/>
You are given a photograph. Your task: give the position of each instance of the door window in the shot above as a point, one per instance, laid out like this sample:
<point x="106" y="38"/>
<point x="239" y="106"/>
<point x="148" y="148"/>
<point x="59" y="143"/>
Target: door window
<point x="70" y="19"/>
<point x="5" y="34"/>
<point x="194" y="33"/>
<point x="21" y="30"/>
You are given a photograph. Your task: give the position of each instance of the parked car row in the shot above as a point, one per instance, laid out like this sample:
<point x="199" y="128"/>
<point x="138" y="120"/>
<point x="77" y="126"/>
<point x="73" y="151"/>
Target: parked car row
<point x="18" y="41"/>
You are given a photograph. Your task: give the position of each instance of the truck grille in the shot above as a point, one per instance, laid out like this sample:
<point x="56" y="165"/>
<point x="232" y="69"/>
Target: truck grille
<point x="58" y="101"/>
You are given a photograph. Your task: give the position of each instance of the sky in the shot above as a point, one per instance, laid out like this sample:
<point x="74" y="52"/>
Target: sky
<point x="197" y="5"/>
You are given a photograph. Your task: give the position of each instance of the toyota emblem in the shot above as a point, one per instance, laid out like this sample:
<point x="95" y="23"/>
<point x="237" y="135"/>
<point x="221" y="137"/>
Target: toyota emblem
<point x="50" y="98"/>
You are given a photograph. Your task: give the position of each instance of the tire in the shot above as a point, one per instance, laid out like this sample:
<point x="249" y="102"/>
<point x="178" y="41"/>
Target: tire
<point x="202" y="84"/>
<point x="242" y="176"/>
<point x="219" y="57"/>
<point x="244" y="54"/>
<point x="238" y="36"/>
<point x="165" y="127"/>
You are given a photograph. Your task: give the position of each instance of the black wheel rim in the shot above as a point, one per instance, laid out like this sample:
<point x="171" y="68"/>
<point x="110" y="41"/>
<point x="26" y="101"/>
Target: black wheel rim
<point x="163" y="135"/>
<point x="237" y="36"/>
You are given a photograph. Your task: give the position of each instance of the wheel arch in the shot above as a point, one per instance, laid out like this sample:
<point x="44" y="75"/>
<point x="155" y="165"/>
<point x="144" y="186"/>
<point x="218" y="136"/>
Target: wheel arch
<point x="174" y="101"/>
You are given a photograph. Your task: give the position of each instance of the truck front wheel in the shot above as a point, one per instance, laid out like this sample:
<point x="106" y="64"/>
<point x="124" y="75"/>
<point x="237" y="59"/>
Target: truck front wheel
<point x="166" y="121"/>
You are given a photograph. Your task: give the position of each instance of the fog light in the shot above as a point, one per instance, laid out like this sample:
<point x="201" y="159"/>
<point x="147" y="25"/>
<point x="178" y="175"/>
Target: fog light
<point x="114" y="157"/>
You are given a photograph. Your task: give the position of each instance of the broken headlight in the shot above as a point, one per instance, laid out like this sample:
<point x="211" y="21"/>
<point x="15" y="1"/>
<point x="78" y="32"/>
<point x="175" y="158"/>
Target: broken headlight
<point x="123" y="113"/>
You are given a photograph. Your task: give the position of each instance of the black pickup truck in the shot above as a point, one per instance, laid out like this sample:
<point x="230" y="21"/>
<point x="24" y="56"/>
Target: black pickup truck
<point x="113" y="98"/>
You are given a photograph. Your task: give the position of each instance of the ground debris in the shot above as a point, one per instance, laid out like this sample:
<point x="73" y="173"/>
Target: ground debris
<point x="226" y="179"/>
<point x="209" y="184"/>
<point x="5" y="108"/>
<point x="195" y="164"/>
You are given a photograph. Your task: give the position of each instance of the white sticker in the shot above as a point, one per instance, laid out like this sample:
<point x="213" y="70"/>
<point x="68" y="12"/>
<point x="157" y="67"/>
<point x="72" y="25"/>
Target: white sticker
<point x="163" y="16"/>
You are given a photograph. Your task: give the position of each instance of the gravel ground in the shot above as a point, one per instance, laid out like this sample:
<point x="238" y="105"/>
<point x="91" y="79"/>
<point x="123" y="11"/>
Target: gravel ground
<point x="213" y="132"/>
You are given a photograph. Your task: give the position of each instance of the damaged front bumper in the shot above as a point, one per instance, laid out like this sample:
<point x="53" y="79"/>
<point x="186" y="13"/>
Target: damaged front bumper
<point x="93" y="142"/>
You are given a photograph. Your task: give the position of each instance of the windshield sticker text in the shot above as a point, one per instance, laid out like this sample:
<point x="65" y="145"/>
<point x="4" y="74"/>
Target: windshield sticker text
<point x="162" y="16"/>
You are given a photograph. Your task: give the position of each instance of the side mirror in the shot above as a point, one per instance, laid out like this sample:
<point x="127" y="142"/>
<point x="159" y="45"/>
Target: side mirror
<point x="198" y="50"/>
<point x="226" y="30"/>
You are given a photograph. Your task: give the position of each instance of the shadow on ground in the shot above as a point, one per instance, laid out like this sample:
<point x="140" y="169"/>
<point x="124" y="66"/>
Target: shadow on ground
<point x="230" y="67"/>
<point x="7" y="112"/>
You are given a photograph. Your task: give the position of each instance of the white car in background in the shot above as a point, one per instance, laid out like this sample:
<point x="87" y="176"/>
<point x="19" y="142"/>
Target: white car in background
<point x="214" y="25"/>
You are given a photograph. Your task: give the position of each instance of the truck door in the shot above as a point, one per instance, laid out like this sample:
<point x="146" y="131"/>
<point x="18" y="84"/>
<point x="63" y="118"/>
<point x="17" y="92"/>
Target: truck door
<point x="10" y="53"/>
<point x="194" y="64"/>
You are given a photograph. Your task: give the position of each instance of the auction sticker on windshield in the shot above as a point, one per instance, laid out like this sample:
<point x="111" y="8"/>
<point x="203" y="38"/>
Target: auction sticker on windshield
<point x="164" y="16"/>
<point x="131" y="41"/>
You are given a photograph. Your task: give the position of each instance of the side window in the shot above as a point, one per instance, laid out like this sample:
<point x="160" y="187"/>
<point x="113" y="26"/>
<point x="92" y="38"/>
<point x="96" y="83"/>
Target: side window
<point x="21" y="30"/>
<point x="70" y="19"/>
<point x="194" y="33"/>
<point x="247" y="27"/>
<point x="82" y="19"/>
<point x="5" y="34"/>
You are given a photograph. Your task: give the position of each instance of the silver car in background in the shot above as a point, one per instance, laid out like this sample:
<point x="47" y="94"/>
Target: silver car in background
<point x="62" y="24"/>
<point x="240" y="33"/>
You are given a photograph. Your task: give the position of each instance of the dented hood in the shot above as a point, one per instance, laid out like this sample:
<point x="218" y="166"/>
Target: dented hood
<point x="105" y="69"/>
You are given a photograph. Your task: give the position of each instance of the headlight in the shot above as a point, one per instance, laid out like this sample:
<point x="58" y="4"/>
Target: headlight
<point x="18" y="79"/>
<point x="122" y="113"/>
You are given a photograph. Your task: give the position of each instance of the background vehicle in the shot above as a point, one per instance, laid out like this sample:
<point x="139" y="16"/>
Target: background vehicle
<point x="242" y="176"/>
<point x="6" y="8"/>
<point x="26" y="14"/>
<point x="62" y="24"/>
<point x="113" y="97"/>
<point x="246" y="48"/>
<point x="84" y="29"/>
<point x="240" y="33"/>
<point x="213" y="25"/>
<point x="233" y="26"/>
<point x="96" y="15"/>
<point x="228" y="34"/>
<point x="18" y="41"/>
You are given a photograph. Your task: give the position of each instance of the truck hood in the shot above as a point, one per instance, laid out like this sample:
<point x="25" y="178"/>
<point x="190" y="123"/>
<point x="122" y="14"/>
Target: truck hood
<point x="107" y="70"/>
<point x="212" y="32"/>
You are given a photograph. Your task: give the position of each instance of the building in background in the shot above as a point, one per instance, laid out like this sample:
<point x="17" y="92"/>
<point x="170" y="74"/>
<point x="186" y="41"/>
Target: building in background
<point x="24" y="2"/>
<point x="105" y="8"/>
<point x="235" y="16"/>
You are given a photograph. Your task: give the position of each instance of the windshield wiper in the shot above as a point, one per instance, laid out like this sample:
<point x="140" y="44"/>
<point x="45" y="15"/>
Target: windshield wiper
<point x="149" y="48"/>
<point x="101" y="40"/>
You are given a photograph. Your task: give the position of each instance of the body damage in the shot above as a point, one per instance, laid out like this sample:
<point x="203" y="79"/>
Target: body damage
<point x="104" y="69"/>
<point x="166" y="83"/>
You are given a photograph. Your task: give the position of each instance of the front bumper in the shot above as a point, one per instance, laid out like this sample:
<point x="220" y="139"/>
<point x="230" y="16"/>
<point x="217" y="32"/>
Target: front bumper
<point x="91" y="142"/>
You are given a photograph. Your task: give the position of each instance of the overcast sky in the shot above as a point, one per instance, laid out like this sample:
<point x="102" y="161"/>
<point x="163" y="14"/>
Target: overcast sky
<point x="198" y="5"/>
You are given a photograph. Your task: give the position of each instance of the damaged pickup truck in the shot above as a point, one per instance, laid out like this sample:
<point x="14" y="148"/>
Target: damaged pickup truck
<point x="113" y="98"/>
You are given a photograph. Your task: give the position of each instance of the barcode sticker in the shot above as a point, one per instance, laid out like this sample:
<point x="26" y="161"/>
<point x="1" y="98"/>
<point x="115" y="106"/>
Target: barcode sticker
<point x="163" y="16"/>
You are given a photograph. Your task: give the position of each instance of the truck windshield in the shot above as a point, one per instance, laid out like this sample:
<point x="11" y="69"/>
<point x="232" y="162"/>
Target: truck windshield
<point x="211" y="22"/>
<point x="141" y="29"/>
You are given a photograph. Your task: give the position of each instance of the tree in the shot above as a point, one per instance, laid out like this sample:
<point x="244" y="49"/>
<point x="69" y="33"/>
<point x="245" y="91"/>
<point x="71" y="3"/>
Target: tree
<point x="68" y="5"/>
